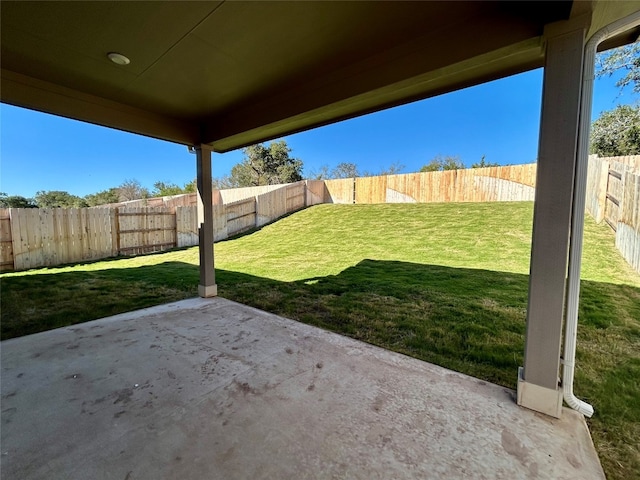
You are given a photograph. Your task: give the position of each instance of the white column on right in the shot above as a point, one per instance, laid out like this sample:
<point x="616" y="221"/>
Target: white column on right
<point x="538" y="386"/>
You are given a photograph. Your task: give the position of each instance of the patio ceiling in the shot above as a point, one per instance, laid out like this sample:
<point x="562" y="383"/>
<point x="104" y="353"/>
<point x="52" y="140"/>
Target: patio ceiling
<point x="229" y="74"/>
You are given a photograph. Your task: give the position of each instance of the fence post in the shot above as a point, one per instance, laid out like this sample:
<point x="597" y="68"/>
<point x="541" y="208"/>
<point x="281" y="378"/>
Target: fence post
<point x="115" y="231"/>
<point x="6" y="247"/>
<point x="602" y="189"/>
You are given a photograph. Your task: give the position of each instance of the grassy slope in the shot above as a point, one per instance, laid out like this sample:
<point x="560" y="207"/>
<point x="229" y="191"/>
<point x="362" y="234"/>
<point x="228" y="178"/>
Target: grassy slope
<point x="446" y="283"/>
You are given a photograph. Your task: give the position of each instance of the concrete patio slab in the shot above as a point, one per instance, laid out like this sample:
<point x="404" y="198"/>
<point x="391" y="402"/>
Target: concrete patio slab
<point x="211" y="389"/>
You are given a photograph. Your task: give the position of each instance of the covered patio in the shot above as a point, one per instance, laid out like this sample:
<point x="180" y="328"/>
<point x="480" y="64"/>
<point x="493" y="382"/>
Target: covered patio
<point x="216" y="76"/>
<point x="208" y="388"/>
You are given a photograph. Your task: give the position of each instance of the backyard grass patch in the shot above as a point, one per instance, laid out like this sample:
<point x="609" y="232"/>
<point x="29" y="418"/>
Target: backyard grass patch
<point x="446" y="283"/>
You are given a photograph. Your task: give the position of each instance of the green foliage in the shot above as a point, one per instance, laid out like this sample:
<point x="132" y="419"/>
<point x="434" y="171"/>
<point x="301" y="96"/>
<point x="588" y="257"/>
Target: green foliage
<point x="441" y="163"/>
<point x="165" y="189"/>
<point x="484" y="164"/>
<point x="191" y="187"/>
<point x="128" y="190"/>
<point x="617" y="132"/>
<point x="59" y="199"/>
<point x="103" y="197"/>
<point x="625" y="58"/>
<point x="168" y="189"/>
<point x="16" y="201"/>
<point x="270" y="165"/>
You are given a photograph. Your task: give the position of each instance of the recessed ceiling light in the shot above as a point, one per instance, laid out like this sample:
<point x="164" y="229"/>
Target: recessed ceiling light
<point x="118" y="58"/>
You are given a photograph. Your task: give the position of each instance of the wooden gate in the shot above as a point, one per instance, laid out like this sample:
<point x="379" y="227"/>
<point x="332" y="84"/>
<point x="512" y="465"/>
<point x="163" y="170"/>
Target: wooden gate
<point x="615" y="191"/>
<point x="145" y="230"/>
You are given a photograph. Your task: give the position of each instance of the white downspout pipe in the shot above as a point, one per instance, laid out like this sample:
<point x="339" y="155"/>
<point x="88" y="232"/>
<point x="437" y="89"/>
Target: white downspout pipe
<point x="577" y="218"/>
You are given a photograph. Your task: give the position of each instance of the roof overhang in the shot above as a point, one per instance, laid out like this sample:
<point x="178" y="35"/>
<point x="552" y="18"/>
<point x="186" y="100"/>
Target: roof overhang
<point x="230" y="74"/>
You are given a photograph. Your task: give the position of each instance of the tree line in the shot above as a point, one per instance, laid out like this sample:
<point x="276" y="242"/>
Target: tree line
<point x="128" y="190"/>
<point x="616" y="132"/>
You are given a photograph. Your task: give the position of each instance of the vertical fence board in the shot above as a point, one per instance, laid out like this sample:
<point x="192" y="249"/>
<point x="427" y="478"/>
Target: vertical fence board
<point x="220" y="224"/>
<point x="49" y="254"/>
<point x="16" y="238"/>
<point x="187" y="225"/>
<point x="628" y="226"/>
<point x="339" y="190"/>
<point x="6" y="242"/>
<point x="316" y="192"/>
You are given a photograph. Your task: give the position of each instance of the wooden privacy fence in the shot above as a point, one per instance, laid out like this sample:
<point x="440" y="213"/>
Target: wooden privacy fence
<point x="613" y="196"/>
<point x="511" y="183"/>
<point x="32" y="238"/>
<point x="628" y="227"/>
<point x="41" y="237"/>
<point x="44" y="237"/>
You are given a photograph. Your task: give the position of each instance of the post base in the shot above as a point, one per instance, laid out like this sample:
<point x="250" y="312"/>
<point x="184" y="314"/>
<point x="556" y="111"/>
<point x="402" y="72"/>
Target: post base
<point x="540" y="399"/>
<point x="208" y="291"/>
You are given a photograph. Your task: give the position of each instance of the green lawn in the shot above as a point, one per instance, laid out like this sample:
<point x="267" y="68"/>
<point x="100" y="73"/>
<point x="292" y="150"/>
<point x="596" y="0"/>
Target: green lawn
<point x="446" y="283"/>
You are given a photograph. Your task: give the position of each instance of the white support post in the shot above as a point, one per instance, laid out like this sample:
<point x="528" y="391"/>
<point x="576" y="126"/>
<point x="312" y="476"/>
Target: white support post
<point x="538" y="387"/>
<point x="207" y="287"/>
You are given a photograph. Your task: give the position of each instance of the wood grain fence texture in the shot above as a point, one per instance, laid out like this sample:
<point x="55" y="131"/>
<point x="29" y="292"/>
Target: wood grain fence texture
<point x="597" y="177"/>
<point x="615" y="193"/>
<point x="628" y="222"/>
<point x="613" y="196"/>
<point x="230" y="195"/>
<point x="6" y="244"/>
<point x="185" y="199"/>
<point x="242" y="215"/>
<point x="511" y="183"/>
<point x="630" y="162"/>
<point x="55" y="236"/>
<point x="339" y="190"/>
<point x="315" y="192"/>
<point x="145" y="230"/>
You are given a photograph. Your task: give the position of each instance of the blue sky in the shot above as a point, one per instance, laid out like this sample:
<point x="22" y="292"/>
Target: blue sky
<point x="498" y="119"/>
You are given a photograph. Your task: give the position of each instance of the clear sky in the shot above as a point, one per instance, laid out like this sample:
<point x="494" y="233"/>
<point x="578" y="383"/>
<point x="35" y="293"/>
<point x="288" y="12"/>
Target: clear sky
<point x="498" y="119"/>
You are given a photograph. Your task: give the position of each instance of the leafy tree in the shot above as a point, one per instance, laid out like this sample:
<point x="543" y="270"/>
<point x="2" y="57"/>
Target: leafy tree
<point x="617" y="132"/>
<point x="266" y="166"/>
<point x="58" y="199"/>
<point x="440" y="163"/>
<point x="345" y="170"/>
<point x="16" y="201"/>
<point x="484" y="164"/>
<point x="166" y="189"/>
<point x="103" y="197"/>
<point x="433" y="166"/>
<point x="191" y="187"/>
<point x="626" y="58"/>
<point x="131" y="190"/>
